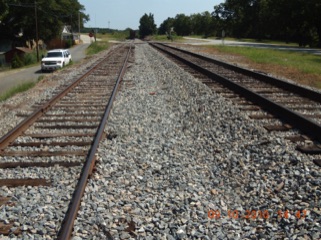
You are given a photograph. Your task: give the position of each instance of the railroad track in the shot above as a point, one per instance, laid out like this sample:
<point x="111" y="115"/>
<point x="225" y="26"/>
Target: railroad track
<point x="60" y="136"/>
<point x="296" y="107"/>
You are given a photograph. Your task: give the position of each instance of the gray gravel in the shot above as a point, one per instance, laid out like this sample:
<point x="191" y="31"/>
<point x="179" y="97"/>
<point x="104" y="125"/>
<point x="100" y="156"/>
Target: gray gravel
<point x="180" y="151"/>
<point x="38" y="211"/>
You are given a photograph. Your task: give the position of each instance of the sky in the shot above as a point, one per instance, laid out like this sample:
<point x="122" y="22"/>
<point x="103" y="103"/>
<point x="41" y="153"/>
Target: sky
<point x="122" y="14"/>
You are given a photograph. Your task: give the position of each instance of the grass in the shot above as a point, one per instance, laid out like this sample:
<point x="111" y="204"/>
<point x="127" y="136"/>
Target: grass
<point x="97" y="47"/>
<point x="306" y="63"/>
<point x="103" y="39"/>
<point x="17" y="89"/>
<point x="303" y="68"/>
<point x="119" y="36"/>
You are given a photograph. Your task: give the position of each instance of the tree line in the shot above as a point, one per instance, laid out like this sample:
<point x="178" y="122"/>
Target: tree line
<point x="18" y="18"/>
<point x="286" y="20"/>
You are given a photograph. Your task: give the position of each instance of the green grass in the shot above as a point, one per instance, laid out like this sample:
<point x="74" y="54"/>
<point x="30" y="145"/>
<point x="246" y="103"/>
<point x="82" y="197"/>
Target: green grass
<point x="97" y="47"/>
<point x="119" y="36"/>
<point x="17" y="89"/>
<point x="20" y="88"/>
<point x="305" y="63"/>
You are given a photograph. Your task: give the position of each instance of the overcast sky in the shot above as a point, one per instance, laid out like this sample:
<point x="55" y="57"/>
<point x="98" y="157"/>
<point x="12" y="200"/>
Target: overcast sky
<point x="121" y="14"/>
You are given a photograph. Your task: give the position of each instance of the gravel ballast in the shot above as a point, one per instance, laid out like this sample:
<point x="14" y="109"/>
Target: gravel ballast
<point x="177" y="155"/>
<point x="181" y="150"/>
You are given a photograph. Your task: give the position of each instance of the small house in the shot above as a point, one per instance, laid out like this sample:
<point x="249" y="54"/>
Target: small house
<point x="20" y="51"/>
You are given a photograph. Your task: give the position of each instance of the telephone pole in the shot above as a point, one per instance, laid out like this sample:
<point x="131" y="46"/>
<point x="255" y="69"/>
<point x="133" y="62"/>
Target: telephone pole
<point x="79" y="26"/>
<point x="37" y="37"/>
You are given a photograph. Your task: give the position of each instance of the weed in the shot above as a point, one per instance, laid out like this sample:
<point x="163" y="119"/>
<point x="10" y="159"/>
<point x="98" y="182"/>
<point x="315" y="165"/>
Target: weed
<point x="97" y="47"/>
<point x="17" y="89"/>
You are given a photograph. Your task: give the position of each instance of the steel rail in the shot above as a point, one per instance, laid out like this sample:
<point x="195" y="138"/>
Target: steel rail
<point x="68" y="222"/>
<point x="302" y="91"/>
<point x="8" y="138"/>
<point x="308" y="126"/>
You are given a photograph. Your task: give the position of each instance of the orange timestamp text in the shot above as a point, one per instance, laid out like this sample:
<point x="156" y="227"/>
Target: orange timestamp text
<point x="255" y="214"/>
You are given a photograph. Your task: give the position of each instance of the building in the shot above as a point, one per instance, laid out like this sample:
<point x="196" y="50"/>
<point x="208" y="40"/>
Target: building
<point x="67" y="34"/>
<point x="20" y="51"/>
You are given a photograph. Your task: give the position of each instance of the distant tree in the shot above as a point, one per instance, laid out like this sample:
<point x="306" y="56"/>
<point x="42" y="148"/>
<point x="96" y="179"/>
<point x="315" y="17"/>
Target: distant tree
<point x="289" y="20"/>
<point x="314" y="10"/>
<point x="165" y="27"/>
<point x="147" y="25"/>
<point x="183" y="25"/>
<point x="202" y="23"/>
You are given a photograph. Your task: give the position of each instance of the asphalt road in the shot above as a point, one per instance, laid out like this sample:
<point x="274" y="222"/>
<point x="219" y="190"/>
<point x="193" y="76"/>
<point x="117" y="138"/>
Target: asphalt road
<point x="194" y="41"/>
<point x="9" y="79"/>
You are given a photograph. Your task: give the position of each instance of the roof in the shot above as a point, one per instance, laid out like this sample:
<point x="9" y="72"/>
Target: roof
<point x="24" y="49"/>
<point x="66" y="29"/>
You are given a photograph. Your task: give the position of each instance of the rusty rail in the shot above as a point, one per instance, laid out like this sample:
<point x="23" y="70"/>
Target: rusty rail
<point x="68" y="222"/>
<point x="307" y="126"/>
<point x="7" y="139"/>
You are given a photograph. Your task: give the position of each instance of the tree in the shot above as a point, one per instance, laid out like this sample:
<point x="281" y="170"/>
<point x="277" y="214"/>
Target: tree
<point x="51" y="15"/>
<point x="289" y="20"/>
<point x="166" y="26"/>
<point x="147" y="25"/>
<point x="202" y="23"/>
<point x="182" y="25"/>
<point x="3" y="9"/>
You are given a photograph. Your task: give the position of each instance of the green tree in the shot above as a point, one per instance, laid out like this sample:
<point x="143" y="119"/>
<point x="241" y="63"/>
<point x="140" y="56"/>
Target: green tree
<point x="182" y="25"/>
<point x="52" y="15"/>
<point x="147" y="25"/>
<point x="314" y="7"/>
<point x="289" y="20"/>
<point x="165" y="27"/>
<point x="202" y="23"/>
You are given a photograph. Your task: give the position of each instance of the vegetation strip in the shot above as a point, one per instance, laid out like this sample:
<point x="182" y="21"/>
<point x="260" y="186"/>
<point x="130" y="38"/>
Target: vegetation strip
<point x="17" y="89"/>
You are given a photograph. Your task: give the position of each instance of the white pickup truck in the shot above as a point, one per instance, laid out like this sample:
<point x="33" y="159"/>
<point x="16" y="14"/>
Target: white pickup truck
<point x="55" y="59"/>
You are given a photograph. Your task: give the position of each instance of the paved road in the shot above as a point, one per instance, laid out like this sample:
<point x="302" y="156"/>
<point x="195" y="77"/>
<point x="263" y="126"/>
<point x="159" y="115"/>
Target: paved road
<point x="197" y="41"/>
<point x="12" y="78"/>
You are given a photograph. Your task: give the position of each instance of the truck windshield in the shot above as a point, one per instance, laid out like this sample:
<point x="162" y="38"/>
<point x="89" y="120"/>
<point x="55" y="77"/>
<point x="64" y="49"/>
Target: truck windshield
<point x="54" y="54"/>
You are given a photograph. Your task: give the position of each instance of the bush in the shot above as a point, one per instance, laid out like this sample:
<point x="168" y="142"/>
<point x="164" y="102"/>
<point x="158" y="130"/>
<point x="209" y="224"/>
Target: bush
<point x="16" y="61"/>
<point x="68" y="43"/>
<point x="30" y="58"/>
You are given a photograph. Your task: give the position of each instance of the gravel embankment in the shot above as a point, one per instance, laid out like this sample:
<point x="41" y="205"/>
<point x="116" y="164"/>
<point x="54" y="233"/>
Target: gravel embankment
<point x="180" y="151"/>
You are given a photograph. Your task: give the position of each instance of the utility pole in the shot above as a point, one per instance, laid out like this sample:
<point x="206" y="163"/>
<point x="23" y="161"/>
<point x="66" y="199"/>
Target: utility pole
<point x="79" y="26"/>
<point x="37" y="37"/>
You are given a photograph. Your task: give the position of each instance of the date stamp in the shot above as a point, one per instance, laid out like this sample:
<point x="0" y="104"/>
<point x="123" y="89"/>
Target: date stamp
<point x="255" y="214"/>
